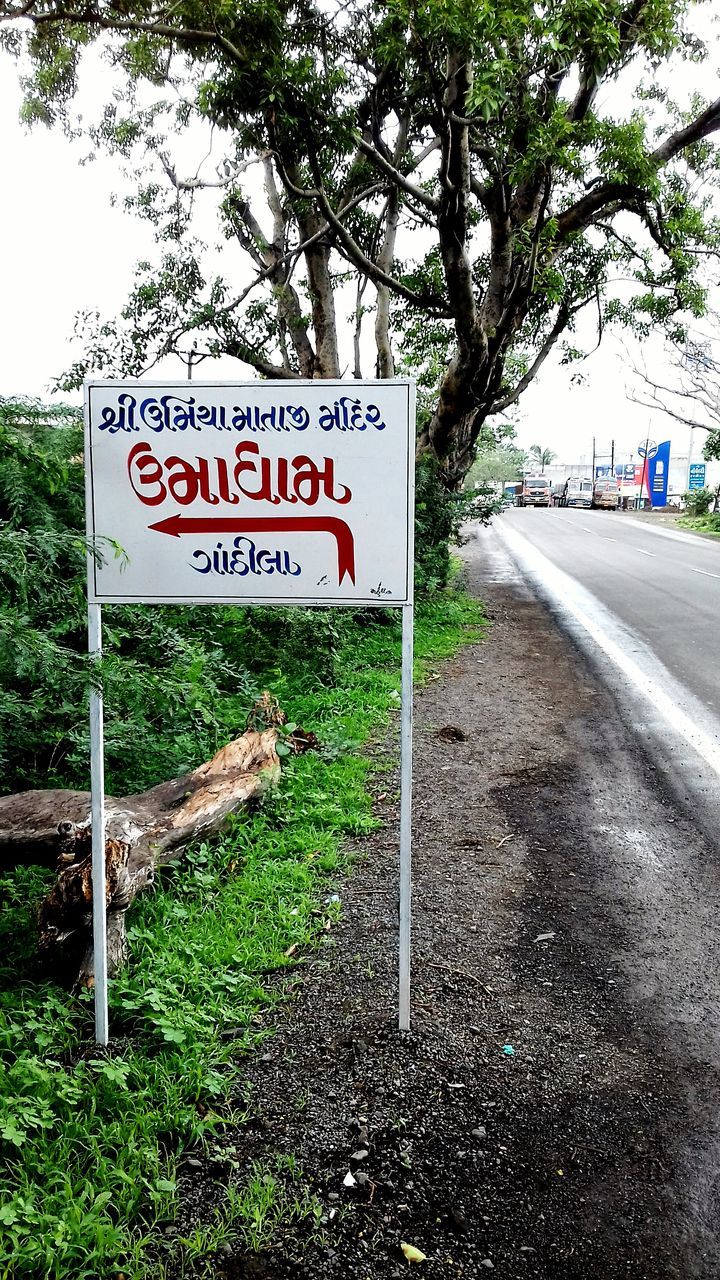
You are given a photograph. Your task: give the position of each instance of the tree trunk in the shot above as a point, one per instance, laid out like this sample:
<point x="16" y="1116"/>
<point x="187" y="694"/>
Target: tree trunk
<point x="143" y="831"/>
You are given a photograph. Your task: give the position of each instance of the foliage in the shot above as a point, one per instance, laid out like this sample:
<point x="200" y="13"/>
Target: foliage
<point x="498" y="465"/>
<point x="711" y="448"/>
<point x="698" y="501"/>
<point x="90" y="1141"/>
<point x="534" y="144"/>
<point x="543" y="457"/>
<point x="179" y="681"/>
<point x="174" y="691"/>
<point x="703" y="524"/>
<point x="439" y="518"/>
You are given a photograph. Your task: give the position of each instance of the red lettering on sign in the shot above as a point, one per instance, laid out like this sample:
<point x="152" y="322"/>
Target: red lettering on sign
<point x="213" y="480"/>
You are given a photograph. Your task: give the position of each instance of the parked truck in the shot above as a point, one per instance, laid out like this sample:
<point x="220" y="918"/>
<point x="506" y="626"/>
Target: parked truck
<point x="578" y="492"/>
<point x="535" y="492"/>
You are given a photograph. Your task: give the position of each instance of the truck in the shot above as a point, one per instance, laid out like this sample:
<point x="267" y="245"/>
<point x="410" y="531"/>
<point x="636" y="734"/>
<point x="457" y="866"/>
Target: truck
<point x="578" y="492"/>
<point x="535" y="492"/>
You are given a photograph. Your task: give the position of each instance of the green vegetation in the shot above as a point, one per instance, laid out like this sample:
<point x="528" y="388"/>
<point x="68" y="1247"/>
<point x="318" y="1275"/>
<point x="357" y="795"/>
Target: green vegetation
<point x="90" y="1142"/>
<point x="702" y="524"/>
<point x="538" y="143"/>
<point x="698" y="501"/>
<point x="179" y="681"/>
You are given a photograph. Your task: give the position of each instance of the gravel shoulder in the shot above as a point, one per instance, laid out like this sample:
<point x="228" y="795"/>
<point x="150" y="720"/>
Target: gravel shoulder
<point x="552" y="1112"/>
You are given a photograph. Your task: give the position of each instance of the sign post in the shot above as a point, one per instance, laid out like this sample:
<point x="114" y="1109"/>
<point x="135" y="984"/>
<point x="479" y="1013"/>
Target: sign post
<point x="289" y="493"/>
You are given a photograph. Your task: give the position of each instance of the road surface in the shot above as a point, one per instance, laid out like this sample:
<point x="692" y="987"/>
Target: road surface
<point x="619" y="801"/>
<point x="644" y="605"/>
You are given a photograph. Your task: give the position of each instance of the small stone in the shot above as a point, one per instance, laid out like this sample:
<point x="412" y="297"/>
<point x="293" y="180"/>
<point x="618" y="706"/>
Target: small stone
<point x="226" y="1250"/>
<point x="480" y="1132"/>
<point x="457" y="1218"/>
<point x="362" y="1178"/>
<point x="488" y="1262"/>
<point x="361" y="1154"/>
<point x="333" y="1195"/>
<point x="193" y="1163"/>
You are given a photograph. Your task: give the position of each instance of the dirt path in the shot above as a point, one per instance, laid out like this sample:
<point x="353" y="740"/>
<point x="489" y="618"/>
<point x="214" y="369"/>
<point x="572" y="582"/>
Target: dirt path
<point x="546" y="1117"/>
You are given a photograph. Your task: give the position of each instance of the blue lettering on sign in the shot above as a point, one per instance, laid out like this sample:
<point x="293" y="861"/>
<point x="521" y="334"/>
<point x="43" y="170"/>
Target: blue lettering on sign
<point x="348" y="414"/>
<point x="180" y="413"/>
<point x="242" y="558"/>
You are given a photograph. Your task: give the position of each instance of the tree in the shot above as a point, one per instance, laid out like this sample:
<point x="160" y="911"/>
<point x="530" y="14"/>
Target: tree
<point x="499" y="464"/>
<point x="543" y="457"/>
<point x="690" y="390"/>
<point x="482" y="134"/>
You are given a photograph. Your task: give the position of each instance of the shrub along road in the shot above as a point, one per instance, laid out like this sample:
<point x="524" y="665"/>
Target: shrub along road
<point x="551" y="1114"/>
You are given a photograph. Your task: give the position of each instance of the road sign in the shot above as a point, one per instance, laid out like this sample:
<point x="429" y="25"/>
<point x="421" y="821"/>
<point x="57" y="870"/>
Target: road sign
<point x="283" y="493"/>
<point x="696" y="475"/>
<point x="293" y="493"/>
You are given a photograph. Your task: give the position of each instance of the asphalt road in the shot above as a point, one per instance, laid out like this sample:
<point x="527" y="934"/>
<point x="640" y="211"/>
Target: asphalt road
<point x="644" y="605"/>
<point x="619" y="800"/>
<point x="665" y="586"/>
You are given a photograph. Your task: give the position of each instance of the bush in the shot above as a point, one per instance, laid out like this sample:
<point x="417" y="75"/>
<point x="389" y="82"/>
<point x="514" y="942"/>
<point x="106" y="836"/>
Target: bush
<point x="698" y="501"/>
<point x="178" y="680"/>
<point x="439" y="517"/>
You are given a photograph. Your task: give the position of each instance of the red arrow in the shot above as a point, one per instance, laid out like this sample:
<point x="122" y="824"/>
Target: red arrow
<point x="177" y="525"/>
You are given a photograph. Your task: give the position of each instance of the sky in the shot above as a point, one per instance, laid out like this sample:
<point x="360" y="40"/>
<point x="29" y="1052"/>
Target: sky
<point x="66" y="249"/>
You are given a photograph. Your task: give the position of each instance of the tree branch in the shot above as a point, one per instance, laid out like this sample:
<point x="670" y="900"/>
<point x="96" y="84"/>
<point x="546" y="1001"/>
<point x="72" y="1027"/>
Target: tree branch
<point x="396" y="177"/>
<point x="90" y="17"/>
<point x="565" y="314"/>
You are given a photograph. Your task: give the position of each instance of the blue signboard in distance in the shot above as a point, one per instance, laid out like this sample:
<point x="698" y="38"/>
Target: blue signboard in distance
<point x="658" y="466"/>
<point x="696" y="475"/>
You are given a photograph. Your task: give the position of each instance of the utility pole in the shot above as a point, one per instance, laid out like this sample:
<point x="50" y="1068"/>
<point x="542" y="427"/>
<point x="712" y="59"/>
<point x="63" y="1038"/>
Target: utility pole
<point x="191" y="358"/>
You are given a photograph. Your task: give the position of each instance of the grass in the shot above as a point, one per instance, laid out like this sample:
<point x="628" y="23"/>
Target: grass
<point x="702" y="524"/>
<point x="90" y="1141"/>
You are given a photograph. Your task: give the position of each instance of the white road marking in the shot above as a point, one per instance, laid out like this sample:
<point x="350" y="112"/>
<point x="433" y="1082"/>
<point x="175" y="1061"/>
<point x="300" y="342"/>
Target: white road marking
<point x="644" y="553"/>
<point x="705" y="573"/>
<point x="680" y="709"/>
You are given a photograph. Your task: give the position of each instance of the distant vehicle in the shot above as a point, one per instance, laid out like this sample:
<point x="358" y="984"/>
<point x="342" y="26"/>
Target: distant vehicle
<point x="535" y="492"/>
<point x="605" y="495"/>
<point x="511" y="493"/>
<point x="578" y="492"/>
<point x="557" y="493"/>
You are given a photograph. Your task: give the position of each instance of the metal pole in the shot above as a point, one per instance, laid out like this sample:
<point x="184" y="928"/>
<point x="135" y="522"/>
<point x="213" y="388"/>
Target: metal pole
<point x="97" y="790"/>
<point x="646" y="471"/>
<point x="406" y="816"/>
<point x="691" y="441"/>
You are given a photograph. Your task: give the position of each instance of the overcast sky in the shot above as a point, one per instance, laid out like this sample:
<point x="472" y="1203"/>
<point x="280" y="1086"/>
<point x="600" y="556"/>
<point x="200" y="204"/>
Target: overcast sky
<point x="66" y="249"/>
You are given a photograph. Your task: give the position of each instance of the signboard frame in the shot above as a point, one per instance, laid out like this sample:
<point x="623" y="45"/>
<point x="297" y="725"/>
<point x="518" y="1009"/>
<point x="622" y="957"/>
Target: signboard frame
<point x="96" y="598"/>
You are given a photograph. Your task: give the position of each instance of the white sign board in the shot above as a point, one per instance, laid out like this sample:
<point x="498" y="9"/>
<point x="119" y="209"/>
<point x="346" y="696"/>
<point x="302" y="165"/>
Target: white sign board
<point x="262" y="492"/>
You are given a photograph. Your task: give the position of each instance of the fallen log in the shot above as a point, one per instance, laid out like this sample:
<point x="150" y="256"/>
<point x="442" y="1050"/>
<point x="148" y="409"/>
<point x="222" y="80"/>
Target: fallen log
<point x="143" y="831"/>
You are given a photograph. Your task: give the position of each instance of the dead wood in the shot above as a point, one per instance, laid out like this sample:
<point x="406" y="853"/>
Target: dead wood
<point x="143" y="831"/>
